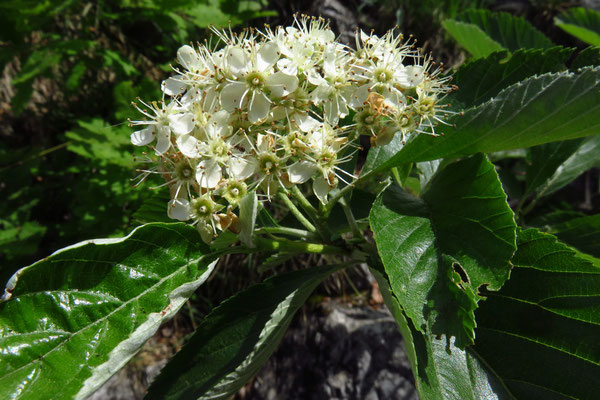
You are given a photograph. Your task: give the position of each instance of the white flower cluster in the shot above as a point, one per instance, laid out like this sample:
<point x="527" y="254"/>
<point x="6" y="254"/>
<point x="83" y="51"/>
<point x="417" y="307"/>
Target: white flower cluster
<point x="268" y="110"/>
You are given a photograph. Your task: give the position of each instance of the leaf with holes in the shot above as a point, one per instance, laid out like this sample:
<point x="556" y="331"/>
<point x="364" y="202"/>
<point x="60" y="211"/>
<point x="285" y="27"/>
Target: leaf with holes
<point x="440" y="250"/>
<point x="71" y="320"/>
<point x="441" y="369"/>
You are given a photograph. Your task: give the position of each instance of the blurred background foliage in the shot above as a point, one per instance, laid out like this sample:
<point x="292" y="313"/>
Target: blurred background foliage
<point x="70" y="70"/>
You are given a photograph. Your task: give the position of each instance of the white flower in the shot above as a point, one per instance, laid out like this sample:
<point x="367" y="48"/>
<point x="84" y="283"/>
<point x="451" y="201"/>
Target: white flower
<point x="333" y="86"/>
<point x="167" y="118"/>
<point x="253" y="79"/>
<point x="266" y="111"/>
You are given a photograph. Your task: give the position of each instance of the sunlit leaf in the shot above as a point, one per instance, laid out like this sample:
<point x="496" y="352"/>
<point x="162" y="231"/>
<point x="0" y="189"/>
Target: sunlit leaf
<point x="441" y="370"/>
<point x="540" y="109"/>
<point x="440" y="250"/>
<point x="73" y="319"/>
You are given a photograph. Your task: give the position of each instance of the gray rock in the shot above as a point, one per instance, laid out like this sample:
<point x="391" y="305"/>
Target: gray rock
<point x="338" y="352"/>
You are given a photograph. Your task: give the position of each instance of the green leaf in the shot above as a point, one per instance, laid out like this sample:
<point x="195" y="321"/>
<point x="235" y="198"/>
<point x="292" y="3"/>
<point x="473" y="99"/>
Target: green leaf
<point x="378" y="155"/>
<point x="154" y="208"/>
<point x="541" y="109"/>
<point x="540" y="332"/>
<point x="589" y="56"/>
<point x="440" y="250"/>
<point x="37" y="64"/>
<point x="554" y="165"/>
<point x="248" y="213"/>
<point x="482" y="79"/>
<point x="583" y="233"/>
<point x="236" y="338"/>
<point x="98" y="141"/>
<point x="483" y="32"/>
<point x="113" y="58"/>
<point x="583" y="23"/>
<point x="73" y="80"/>
<point x="472" y="38"/>
<point x="124" y="92"/>
<point x="441" y="370"/>
<point x="71" y="320"/>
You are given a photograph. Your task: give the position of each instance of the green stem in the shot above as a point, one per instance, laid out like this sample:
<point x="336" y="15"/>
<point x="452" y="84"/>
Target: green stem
<point x="304" y="203"/>
<point x="286" y="231"/>
<point x="296" y="247"/>
<point x="356" y="233"/>
<point x="354" y="288"/>
<point x="317" y="217"/>
<point x="294" y="210"/>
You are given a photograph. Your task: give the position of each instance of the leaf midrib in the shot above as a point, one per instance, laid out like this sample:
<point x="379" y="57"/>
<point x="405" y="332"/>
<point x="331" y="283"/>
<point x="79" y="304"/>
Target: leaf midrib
<point x="60" y="345"/>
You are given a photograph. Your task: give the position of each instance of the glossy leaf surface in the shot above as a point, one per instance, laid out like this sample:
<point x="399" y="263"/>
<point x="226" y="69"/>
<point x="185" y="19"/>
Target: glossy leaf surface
<point x="541" y="109"/>
<point x="236" y="338"/>
<point x="76" y="317"/>
<point x="439" y="250"/>
<point x="540" y="332"/>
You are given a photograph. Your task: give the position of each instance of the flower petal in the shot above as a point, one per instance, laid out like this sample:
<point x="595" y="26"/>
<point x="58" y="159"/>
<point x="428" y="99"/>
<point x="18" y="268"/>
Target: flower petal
<point x="208" y="173"/>
<point x="329" y="60"/>
<point x="316" y="79"/>
<point x="211" y="98"/>
<point x="321" y="189"/>
<point x="306" y="123"/>
<point x="301" y="171"/>
<point x="187" y="57"/>
<point x="359" y="97"/>
<point x="188" y="145"/>
<point x="233" y="95"/>
<point x="173" y="86"/>
<point x="267" y="56"/>
<point x="241" y="168"/>
<point x="287" y="66"/>
<point x="143" y="137"/>
<point x="332" y="111"/>
<point x="282" y="84"/>
<point x="206" y="232"/>
<point x="179" y="209"/>
<point x="238" y="61"/>
<point x="260" y="106"/>
<point x="415" y="75"/>
<point x="163" y="140"/>
<point x="181" y="123"/>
